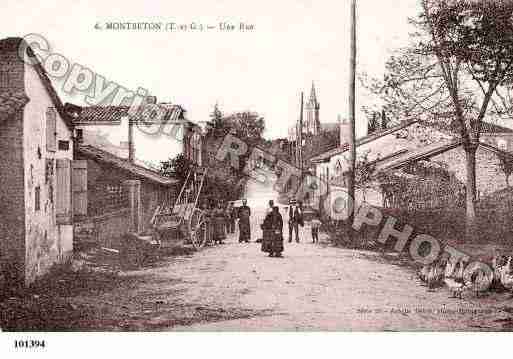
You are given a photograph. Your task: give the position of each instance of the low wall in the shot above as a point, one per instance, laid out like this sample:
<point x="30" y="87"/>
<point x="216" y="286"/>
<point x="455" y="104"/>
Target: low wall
<point x="105" y="230"/>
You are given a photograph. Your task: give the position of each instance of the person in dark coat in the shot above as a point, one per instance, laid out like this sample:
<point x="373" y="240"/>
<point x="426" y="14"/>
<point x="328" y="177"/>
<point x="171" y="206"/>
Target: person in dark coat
<point x="295" y="220"/>
<point x="209" y="223"/>
<point x="230" y="218"/>
<point x="244" y="214"/>
<point x="219" y="220"/>
<point x="272" y="227"/>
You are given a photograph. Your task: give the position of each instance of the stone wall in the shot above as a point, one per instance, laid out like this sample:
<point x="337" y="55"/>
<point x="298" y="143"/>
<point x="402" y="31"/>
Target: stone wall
<point x="48" y="241"/>
<point x="489" y="177"/>
<point x="12" y="207"/>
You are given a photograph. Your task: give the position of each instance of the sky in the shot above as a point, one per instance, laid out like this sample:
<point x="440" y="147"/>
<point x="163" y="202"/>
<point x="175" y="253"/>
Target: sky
<point x="294" y="42"/>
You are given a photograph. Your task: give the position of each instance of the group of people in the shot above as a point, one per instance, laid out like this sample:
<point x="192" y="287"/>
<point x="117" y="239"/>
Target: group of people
<point x="221" y="222"/>
<point x="272" y="227"/>
<point x="222" y="218"/>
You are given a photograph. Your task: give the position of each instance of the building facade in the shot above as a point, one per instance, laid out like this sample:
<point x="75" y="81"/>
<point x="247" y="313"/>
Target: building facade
<point x="117" y="196"/>
<point x="147" y="135"/>
<point x="36" y="165"/>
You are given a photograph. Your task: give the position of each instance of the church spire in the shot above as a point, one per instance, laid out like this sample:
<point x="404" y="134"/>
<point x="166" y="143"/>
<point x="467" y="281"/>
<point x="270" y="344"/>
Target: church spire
<point x="313" y="97"/>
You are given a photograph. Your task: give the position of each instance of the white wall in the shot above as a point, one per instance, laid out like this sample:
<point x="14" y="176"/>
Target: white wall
<point x="46" y="242"/>
<point x="152" y="144"/>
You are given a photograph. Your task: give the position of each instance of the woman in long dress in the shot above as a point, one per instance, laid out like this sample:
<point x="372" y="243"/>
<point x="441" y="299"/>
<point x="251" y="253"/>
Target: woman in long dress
<point x="244" y="214"/>
<point x="219" y="224"/>
<point x="272" y="227"/>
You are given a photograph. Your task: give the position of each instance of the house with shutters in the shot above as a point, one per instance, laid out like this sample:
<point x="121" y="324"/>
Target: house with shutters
<point x="36" y="167"/>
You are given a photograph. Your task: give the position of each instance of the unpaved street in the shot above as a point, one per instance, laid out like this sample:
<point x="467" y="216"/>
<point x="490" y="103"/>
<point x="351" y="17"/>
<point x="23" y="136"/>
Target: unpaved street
<point x="234" y="287"/>
<point x="318" y="287"/>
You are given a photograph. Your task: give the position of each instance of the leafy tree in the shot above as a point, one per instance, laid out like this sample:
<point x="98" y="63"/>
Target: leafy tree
<point x="248" y="126"/>
<point x="216" y="126"/>
<point x="506" y="166"/>
<point x="455" y="73"/>
<point x="384" y="119"/>
<point x="177" y="167"/>
<point x="372" y="123"/>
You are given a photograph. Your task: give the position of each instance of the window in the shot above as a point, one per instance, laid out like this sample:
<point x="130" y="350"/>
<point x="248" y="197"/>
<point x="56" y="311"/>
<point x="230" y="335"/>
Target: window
<point x="51" y="129"/>
<point x="63" y="145"/>
<point x="80" y="135"/>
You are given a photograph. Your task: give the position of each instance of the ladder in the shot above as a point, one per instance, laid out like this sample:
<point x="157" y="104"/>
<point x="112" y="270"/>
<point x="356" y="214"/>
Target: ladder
<point x="182" y="209"/>
<point x="190" y="193"/>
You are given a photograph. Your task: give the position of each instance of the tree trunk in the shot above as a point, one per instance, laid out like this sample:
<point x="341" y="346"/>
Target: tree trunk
<point x="470" y="220"/>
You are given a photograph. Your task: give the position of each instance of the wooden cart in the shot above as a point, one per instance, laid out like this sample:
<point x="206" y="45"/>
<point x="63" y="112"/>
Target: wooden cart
<point x="183" y="222"/>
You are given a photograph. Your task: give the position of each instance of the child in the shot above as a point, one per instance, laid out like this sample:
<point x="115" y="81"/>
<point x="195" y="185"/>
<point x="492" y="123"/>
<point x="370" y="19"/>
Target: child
<point x="315" y="224"/>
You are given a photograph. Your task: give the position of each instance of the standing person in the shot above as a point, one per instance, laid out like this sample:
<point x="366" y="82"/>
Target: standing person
<point x="208" y="223"/>
<point x="315" y="224"/>
<point x="219" y="224"/>
<point x="230" y="218"/>
<point x="271" y="206"/>
<point x="272" y="227"/>
<point x="244" y="214"/>
<point x="295" y="220"/>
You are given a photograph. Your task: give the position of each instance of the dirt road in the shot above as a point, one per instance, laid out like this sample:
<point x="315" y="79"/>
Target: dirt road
<point x="234" y="287"/>
<point x="318" y="287"/>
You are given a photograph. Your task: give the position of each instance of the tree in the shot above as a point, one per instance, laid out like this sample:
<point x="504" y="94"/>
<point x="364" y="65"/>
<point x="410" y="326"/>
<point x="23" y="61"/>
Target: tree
<point x="372" y="123"/>
<point x="216" y="126"/>
<point x="459" y="63"/>
<point x="364" y="173"/>
<point x="384" y="120"/>
<point x="506" y="166"/>
<point x="177" y="167"/>
<point x="248" y="126"/>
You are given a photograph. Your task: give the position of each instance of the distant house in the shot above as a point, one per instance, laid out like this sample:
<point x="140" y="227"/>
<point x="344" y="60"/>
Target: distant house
<point x="408" y="142"/>
<point x="116" y="196"/>
<point x="36" y="166"/>
<point x="332" y="165"/>
<point x="152" y="133"/>
<point x="490" y="177"/>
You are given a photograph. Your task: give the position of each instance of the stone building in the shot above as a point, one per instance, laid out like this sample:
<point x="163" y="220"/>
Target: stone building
<point x="116" y="196"/>
<point x="400" y="145"/>
<point x="36" y="165"/>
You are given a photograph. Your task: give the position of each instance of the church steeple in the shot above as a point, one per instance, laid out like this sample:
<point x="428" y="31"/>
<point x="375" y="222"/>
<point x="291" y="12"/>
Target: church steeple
<point x="312" y="124"/>
<point x="313" y="97"/>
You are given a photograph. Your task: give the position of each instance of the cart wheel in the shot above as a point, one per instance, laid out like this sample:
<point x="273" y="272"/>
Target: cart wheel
<point x="197" y="229"/>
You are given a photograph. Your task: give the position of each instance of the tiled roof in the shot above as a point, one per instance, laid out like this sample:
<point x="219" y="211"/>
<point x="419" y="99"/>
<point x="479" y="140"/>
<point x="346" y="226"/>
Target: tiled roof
<point x="418" y="154"/>
<point x="114" y="114"/>
<point x="13" y="44"/>
<point x="488" y="127"/>
<point x="431" y="150"/>
<point x="360" y="141"/>
<point x="94" y="153"/>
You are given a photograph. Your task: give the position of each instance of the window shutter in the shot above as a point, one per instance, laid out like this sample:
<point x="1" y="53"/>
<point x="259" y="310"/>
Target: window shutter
<point x="63" y="207"/>
<point x="51" y="130"/>
<point x="79" y="185"/>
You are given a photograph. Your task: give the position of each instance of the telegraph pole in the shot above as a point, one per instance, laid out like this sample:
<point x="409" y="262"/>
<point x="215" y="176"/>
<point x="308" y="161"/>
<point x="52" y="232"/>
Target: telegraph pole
<point x="352" y="111"/>
<point x="301" y="140"/>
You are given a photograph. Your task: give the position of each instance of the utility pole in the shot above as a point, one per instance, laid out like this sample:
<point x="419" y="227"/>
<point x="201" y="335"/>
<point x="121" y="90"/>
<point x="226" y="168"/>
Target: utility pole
<point x="352" y="111"/>
<point x="301" y="141"/>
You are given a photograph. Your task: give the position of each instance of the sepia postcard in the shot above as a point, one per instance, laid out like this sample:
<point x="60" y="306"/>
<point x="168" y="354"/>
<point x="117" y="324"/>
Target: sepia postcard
<point x="272" y="166"/>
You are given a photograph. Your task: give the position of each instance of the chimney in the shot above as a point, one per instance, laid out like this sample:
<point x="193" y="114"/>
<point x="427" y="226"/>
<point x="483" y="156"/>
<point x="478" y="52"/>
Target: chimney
<point x="344" y="130"/>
